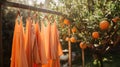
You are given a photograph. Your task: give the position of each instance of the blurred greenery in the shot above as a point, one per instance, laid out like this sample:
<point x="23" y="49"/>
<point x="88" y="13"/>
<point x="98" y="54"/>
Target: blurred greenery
<point x="86" y="15"/>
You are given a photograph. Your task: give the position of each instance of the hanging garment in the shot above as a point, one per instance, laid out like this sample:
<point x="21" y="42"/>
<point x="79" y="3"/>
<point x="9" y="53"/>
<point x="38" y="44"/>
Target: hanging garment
<point x="47" y="36"/>
<point x="31" y="46"/>
<point x="45" y="30"/>
<point x="36" y="57"/>
<point x="41" y="47"/>
<point x="13" y="53"/>
<point x="28" y="40"/>
<point x="34" y="48"/>
<point x="52" y="44"/>
<point x="56" y="45"/>
<point x="43" y="53"/>
<point x="59" y="47"/>
<point x="18" y="56"/>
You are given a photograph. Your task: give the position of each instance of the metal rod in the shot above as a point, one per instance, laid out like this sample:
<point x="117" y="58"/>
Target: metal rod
<point x="69" y="48"/>
<point x="17" y="5"/>
<point x="1" y="50"/>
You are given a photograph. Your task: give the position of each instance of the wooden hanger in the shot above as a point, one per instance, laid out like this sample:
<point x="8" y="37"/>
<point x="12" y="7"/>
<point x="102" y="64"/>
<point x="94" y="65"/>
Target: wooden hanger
<point x="45" y="17"/>
<point x="52" y="19"/>
<point x="19" y="16"/>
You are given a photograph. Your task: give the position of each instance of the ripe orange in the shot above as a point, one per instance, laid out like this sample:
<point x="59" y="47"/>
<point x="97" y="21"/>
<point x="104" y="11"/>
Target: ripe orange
<point x="66" y="21"/>
<point x="95" y="35"/>
<point x="67" y="39"/>
<point x="72" y="39"/>
<point x="104" y="25"/>
<point x="83" y="45"/>
<point x="73" y="29"/>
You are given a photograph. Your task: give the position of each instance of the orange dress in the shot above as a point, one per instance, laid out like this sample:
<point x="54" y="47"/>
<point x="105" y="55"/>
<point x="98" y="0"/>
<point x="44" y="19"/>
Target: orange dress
<point x="41" y="46"/>
<point x="31" y="46"/>
<point x="28" y="40"/>
<point x="52" y="45"/>
<point x="55" y="45"/>
<point x="23" y="58"/>
<point x="36" y="57"/>
<point x="13" y="53"/>
<point x="45" y="30"/>
<point x="18" y="56"/>
<point x="47" y="40"/>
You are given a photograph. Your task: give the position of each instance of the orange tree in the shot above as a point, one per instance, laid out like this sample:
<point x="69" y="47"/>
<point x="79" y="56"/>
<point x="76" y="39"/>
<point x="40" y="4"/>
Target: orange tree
<point x="88" y="16"/>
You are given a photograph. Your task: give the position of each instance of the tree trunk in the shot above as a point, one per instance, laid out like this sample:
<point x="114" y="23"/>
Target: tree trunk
<point x="83" y="58"/>
<point x="69" y="48"/>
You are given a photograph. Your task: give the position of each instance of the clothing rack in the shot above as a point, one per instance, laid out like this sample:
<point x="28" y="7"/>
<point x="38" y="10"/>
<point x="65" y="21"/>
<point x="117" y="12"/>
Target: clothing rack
<point x="17" y="5"/>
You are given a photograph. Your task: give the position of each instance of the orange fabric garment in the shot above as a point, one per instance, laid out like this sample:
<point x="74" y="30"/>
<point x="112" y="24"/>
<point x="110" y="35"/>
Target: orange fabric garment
<point x="47" y="37"/>
<point x="31" y="46"/>
<point x="18" y="56"/>
<point x="13" y="53"/>
<point x="52" y="45"/>
<point x="56" y="45"/>
<point x="45" y="30"/>
<point x="23" y="58"/>
<point x="55" y="41"/>
<point x="41" y="47"/>
<point x="28" y="40"/>
<point x="36" y="57"/>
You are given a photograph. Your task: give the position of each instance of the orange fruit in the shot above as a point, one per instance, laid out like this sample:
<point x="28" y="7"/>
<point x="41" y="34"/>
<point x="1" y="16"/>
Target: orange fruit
<point x="67" y="39"/>
<point x="72" y="39"/>
<point x="95" y="35"/>
<point x="73" y="29"/>
<point x="104" y="25"/>
<point x="83" y="45"/>
<point x="66" y="21"/>
<point x="115" y="19"/>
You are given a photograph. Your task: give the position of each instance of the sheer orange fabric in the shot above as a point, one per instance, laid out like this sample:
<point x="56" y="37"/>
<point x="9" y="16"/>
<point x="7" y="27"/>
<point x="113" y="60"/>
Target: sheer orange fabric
<point x="52" y="45"/>
<point x="35" y="48"/>
<point x="13" y="53"/>
<point x="47" y="34"/>
<point x="32" y="50"/>
<point x="23" y="58"/>
<point x="28" y="42"/>
<point x="41" y="46"/>
<point x="18" y="56"/>
<point x="56" y="45"/>
<point x="45" y="30"/>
